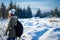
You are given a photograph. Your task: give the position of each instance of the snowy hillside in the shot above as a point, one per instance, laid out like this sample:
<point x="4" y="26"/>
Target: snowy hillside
<point x="36" y="29"/>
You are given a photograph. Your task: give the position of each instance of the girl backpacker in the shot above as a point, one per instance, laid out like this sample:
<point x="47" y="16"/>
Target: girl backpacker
<point x="19" y="29"/>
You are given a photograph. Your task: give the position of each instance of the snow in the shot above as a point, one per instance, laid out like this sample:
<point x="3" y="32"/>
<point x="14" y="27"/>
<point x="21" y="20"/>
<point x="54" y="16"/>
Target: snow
<point x="35" y="29"/>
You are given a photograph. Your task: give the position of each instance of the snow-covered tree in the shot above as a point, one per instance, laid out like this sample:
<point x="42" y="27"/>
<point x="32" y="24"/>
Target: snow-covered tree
<point x="52" y="13"/>
<point x="28" y="12"/>
<point x="55" y="12"/>
<point x="3" y="10"/>
<point x="38" y="14"/>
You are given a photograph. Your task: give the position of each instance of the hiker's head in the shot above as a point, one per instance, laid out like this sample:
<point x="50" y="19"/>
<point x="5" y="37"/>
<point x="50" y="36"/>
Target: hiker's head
<point x="11" y="12"/>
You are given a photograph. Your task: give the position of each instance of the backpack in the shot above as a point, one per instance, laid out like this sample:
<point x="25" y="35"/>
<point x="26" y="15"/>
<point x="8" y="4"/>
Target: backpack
<point x="18" y="29"/>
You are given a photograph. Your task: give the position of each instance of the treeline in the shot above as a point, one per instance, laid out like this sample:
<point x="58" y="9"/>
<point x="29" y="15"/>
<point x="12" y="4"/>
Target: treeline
<point x="20" y="13"/>
<point x="52" y="13"/>
<point x="26" y="13"/>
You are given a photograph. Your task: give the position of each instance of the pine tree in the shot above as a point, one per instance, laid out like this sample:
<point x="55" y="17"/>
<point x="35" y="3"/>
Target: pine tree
<point x="18" y="12"/>
<point x="29" y="12"/>
<point x="0" y="12"/>
<point x="3" y="10"/>
<point x="52" y="14"/>
<point x="23" y="15"/>
<point x="38" y="14"/>
<point x="56" y="12"/>
<point x="10" y="5"/>
<point x="14" y="6"/>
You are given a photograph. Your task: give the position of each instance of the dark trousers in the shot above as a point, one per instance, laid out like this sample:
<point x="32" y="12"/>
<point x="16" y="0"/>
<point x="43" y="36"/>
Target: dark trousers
<point x="13" y="38"/>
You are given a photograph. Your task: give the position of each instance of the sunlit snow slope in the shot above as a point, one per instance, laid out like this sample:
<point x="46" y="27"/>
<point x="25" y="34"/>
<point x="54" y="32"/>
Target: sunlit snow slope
<point x="35" y="29"/>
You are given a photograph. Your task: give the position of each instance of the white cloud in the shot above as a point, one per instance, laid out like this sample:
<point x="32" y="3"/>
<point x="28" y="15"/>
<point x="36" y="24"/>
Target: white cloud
<point x="41" y="5"/>
<point x="44" y="6"/>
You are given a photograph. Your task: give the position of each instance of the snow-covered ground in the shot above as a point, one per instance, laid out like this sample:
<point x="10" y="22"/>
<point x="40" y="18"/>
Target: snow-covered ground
<point x="35" y="29"/>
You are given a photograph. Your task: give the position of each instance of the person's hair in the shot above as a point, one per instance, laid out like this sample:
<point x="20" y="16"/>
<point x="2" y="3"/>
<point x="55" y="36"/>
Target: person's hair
<point x="12" y="14"/>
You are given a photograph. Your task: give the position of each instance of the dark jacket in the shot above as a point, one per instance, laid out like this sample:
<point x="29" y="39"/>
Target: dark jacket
<point x="11" y="28"/>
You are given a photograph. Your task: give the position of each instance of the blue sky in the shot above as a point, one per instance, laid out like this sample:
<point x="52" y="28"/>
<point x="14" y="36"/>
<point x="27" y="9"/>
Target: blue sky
<point x="34" y="4"/>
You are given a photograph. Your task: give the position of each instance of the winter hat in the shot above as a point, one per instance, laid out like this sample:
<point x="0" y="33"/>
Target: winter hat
<point x="12" y="11"/>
